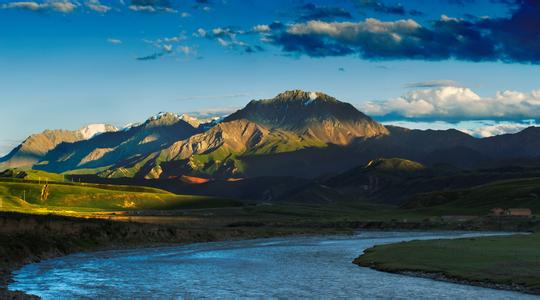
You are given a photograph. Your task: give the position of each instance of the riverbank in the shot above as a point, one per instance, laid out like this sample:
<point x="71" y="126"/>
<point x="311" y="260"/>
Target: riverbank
<point x="28" y="239"/>
<point x="511" y="262"/>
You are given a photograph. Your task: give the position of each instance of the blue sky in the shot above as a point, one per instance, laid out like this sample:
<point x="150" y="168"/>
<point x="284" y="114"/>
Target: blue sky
<point x="426" y="64"/>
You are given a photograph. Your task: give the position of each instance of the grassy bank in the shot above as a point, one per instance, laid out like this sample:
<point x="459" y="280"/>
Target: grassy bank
<point x="28" y="238"/>
<point x="512" y="262"/>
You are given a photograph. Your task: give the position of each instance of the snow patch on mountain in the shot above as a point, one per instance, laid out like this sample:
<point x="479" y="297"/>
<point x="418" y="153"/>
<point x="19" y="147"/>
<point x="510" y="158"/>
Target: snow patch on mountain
<point x="130" y="125"/>
<point x="92" y="130"/>
<point x="312" y="97"/>
<point x="164" y="114"/>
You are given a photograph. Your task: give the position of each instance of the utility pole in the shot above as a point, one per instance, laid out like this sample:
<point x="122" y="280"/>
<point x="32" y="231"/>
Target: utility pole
<point x="24" y="195"/>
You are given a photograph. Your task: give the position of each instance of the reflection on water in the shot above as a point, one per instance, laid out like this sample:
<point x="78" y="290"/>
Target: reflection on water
<point x="299" y="267"/>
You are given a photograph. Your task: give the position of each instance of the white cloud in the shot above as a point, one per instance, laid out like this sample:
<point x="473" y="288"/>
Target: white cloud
<point x="142" y="8"/>
<point x="185" y="14"/>
<point x="152" y="9"/>
<point x="451" y="102"/>
<point x="261" y="28"/>
<point x="498" y="129"/>
<point x="114" y="41"/>
<point x="24" y="5"/>
<point x="59" y="6"/>
<point x="200" y="33"/>
<point x="168" y="47"/>
<point x="95" y="5"/>
<point x="187" y="50"/>
<point x="351" y="32"/>
<point x="63" y="6"/>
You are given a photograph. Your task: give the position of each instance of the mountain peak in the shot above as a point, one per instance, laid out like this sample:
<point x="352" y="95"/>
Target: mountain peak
<point x="313" y="115"/>
<point x="163" y="119"/>
<point x="304" y="96"/>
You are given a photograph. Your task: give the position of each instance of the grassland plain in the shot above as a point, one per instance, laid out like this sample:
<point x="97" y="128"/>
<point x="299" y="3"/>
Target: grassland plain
<point x="501" y="262"/>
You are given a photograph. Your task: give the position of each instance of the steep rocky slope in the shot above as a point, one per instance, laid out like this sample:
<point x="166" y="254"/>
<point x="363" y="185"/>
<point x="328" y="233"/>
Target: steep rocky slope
<point x="36" y="146"/>
<point x="114" y="148"/>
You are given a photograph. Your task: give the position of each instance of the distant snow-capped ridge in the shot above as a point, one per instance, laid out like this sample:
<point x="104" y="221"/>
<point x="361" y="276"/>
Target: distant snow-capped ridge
<point x="163" y="114"/>
<point x="200" y="122"/>
<point x="90" y="131"/>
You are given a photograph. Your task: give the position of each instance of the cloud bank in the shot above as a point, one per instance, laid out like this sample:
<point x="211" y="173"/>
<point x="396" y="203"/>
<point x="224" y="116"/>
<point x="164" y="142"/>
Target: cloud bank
<point x="59" y="6"/>
<point x="515" y="38"/>
<point x="458" y="103"/>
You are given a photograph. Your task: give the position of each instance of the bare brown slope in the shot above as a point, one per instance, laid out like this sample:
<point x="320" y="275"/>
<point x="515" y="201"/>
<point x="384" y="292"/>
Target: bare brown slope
<point x="36" y="146"/>
<point x="312" y="115"/>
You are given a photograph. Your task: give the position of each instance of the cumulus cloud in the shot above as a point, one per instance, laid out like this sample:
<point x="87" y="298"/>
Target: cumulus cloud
<point x="498" y="129"/>
<point x="510" y="39"/>
<point x="261" y="28"/>
<point x="371" y="38"/>
<point x="228" y="37"/>
<point x="152" y="6"/>
<point x="62" y="6"/>
<point x="97" y="6"/>
<point x="458" y="103"/>
<point x="168" y="46"/>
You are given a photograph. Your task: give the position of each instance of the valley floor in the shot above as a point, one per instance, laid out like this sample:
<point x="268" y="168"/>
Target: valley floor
<point x="27" y="238"/>
<point x="499" y="262"/>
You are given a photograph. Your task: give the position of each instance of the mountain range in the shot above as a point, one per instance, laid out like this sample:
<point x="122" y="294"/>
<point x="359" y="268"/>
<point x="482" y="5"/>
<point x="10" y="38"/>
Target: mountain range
<point x="36" y="146"/>
<point x="297" y="133"/>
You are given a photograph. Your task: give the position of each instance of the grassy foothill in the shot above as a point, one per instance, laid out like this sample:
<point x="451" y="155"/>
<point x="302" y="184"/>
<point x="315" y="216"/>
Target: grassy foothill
<point x="26" y="197"/>
<point x="512" y="261"/>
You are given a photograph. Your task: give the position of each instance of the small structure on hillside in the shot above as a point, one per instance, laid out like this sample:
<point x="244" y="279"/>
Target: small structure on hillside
<point x="497" y="212"/>
<point x="518" y="212"/>
<point x="510" y="212"/>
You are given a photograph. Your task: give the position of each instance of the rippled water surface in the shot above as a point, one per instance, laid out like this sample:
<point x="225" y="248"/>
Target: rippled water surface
<point x="294" y="267"/>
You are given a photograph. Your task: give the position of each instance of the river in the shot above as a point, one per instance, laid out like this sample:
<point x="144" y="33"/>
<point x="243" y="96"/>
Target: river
<point x="289" y="267"/>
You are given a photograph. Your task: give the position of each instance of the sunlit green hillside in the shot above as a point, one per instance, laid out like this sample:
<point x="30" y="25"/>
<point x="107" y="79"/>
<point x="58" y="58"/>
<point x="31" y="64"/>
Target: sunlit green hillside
<point x="29" y="196"/>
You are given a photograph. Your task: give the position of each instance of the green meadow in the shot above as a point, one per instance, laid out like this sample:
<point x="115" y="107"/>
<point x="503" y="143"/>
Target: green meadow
<point x="25" y="196"/>
<point x="508" y="260"/>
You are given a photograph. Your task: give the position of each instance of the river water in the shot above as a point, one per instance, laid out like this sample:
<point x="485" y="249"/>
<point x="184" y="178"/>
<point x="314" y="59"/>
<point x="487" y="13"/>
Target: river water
<point x="279" y="268"/>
